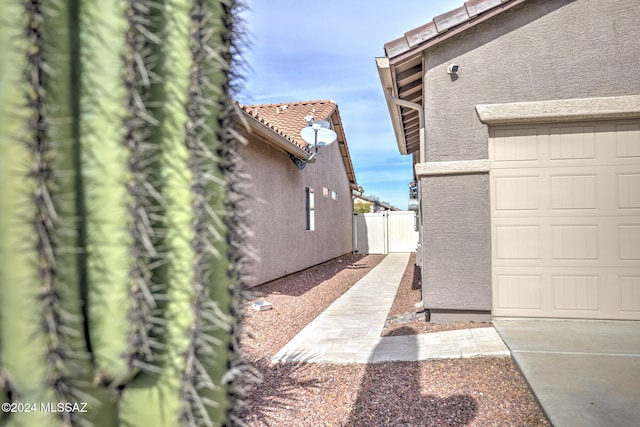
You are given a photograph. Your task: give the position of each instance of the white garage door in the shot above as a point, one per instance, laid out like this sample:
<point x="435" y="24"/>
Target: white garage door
<point x="565" y="207"/>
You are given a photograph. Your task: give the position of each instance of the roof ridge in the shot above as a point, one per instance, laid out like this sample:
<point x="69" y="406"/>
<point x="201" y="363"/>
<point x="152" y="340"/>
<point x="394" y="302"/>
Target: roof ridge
<point x="438" y="25"/>
<point x="279" y="104"/>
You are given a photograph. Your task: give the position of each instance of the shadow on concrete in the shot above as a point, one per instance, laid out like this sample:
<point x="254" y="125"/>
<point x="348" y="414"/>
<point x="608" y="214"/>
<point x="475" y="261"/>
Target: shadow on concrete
<point x="390" y="394"/>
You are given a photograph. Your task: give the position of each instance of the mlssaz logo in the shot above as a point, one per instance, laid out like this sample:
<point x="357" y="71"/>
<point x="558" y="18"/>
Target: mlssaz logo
<point x="64" y="407"/>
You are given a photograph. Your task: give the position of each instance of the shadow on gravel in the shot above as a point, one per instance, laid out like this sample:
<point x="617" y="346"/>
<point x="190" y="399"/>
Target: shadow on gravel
<point x="276" y="387"/>
<point x="299" y="283"/>
<point x="390" y="394"/>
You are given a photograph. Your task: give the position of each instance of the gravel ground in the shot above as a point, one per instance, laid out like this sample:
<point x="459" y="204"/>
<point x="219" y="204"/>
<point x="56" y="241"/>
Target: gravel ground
<point x="456" y="392"/>
<point x="403" y="319"/>
<point x="298" y="299"/>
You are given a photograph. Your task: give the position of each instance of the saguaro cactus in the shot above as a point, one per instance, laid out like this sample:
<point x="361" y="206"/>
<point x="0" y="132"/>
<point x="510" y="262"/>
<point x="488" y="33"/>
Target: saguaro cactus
<point x="116" y="232"/>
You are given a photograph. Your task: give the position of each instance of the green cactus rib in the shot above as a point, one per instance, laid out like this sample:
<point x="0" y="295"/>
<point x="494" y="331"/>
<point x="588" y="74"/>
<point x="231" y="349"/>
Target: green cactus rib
<point x="140" y="60"/>
<point x="105" y="174"/>
<point x="72" y="373"/>
<point x="23" y="343"/>
<point x="207" y="357"/>
<point x="39" y="314"/>
<point x="142" y="400"/>
<point x="154" y="399"/>
<point x="190" y="391"/>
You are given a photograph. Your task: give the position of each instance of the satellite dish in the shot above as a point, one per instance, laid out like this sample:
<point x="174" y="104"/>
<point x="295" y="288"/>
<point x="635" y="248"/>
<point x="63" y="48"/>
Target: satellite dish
<point x="322" y="123"/>
<point x="319" y="136"/>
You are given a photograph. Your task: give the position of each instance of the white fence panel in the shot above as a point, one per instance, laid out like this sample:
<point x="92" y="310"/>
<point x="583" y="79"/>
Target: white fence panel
<point x="370" y="233"/>
<point x="384" y="232"/>
<point x="401" y="230"/>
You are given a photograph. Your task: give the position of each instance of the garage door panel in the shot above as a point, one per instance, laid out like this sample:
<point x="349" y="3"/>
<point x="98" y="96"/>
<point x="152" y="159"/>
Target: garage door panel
<point x="518" y="242"/>
<point x="628" y="186"/>
<point x="516" y="193"/>
<point x="628" y="140"/>
<point x="610" y="144"/>
<point x="568" y="240"/>
<point x="519" y="292"/>
<point x="629" y="242"/>
<point x="574" y="242"/>
<point x="516" y="145"/>
<point x="565" y="205"/>
<point x="576" y="191"/>
<point x="575" y="293"/>
<point x="573" y="192"/>
<point x="630" y="293"/>
<point x="572" y="142"/>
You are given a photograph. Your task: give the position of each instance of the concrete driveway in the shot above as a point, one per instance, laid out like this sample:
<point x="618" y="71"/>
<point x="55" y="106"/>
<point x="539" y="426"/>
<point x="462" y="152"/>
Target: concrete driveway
<point x="583" y="373"/>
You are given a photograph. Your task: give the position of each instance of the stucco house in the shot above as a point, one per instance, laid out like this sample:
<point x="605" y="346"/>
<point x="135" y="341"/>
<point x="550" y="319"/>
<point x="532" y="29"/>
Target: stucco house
<point x="373" y="203"/>
<point x="523" y="120"/>
<point x="299" y="206"/>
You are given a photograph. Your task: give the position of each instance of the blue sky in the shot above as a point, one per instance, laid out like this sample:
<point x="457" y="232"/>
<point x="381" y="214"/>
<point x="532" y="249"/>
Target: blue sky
<point x="301" y="50"/>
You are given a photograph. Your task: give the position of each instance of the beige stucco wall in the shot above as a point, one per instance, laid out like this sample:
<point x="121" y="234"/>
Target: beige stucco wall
<point x="276" y="210"/>
<point x="540" y="50"/>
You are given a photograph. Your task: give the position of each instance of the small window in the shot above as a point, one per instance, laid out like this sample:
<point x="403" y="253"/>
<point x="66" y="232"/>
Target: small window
<point x="310" y="207"/>
<point x="334" y="195"/>
<point x="325" y="192"/>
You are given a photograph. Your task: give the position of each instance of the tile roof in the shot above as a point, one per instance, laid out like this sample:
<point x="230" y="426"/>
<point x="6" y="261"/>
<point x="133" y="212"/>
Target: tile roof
<point x="287" y="119"/>
<point x="404" y="62"/>
<point x="441" y="24"/>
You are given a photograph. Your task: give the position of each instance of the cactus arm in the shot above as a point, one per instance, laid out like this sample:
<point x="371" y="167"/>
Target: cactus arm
<point x="100" y="244"/>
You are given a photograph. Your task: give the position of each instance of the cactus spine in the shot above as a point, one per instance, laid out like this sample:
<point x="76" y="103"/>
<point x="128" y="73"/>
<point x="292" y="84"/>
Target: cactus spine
<point x="105" y="175"/>
<point x="115" y="284"/>
<point x="27" y="222"/>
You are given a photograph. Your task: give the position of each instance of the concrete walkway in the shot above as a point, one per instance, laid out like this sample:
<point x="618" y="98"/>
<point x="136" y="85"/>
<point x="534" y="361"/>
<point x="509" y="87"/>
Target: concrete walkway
<point x="584" y="373"/>
<point x="348" y="331"/>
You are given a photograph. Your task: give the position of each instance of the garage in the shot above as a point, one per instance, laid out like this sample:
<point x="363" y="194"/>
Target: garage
<point x="565" y="219"/>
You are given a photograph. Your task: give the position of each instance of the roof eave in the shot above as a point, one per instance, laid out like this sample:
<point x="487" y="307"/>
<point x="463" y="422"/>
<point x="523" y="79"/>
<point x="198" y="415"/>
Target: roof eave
<point x="344" y="148"/>
<point x="388" y="87"/>
<point x="259" y="129"/>
<point x="419" y="39"/>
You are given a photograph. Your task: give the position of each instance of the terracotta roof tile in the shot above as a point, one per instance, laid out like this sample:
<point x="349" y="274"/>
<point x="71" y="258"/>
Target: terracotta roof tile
<point x="396" y="47"/>
<point x="440" y="24"/>
<point x="421" y="34"/>
<point x="287" y="119"/>
<point x="476" y="7"/>
<point x="451" y="19"/>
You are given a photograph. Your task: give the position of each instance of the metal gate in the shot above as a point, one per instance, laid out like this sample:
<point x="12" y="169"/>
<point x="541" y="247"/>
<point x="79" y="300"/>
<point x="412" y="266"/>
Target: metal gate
<point x="385" y="232"/>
